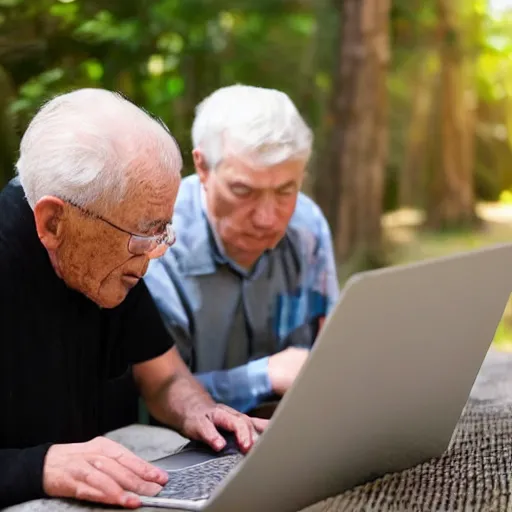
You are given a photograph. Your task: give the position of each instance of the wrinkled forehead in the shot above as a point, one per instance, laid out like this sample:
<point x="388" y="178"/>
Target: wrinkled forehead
<point x="149" y="201"/>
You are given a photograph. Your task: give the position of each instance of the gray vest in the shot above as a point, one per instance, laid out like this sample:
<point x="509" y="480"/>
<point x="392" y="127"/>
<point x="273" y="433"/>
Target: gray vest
<point x="234" y="321"/>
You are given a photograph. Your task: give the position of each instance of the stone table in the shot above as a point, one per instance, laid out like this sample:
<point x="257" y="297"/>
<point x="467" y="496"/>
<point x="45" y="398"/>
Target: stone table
<point x="475" y="474"/>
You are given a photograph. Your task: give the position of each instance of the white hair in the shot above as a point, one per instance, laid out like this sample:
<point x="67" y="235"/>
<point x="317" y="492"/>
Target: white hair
<point x="85" y="145"/>
<point x="262" y="124"/>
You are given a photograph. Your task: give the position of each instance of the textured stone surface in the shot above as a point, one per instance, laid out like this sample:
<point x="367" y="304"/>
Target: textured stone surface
<point x="475" y="474"/>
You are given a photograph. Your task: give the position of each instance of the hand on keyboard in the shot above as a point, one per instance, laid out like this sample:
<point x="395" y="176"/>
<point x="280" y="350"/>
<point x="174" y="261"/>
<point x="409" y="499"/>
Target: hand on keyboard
<point x="231" y="448"/>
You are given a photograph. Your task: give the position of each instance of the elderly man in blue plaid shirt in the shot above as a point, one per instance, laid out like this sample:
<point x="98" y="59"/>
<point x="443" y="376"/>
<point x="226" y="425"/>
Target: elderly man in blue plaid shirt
<point x="252" y="275"/>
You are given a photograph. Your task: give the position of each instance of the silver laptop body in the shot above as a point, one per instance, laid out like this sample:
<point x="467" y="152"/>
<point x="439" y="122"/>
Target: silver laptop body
<point x="383" y="389"/>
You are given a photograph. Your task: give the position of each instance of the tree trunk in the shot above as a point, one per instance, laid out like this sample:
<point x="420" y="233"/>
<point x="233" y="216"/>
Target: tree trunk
<point x="326" y="181"/>
<point x="412" y="174"/>
<point x="362" y="133"/>
<point x="451" y="202"/>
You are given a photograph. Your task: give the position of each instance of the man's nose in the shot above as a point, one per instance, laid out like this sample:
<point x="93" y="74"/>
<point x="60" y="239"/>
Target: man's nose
<point x="157" y="252"/>
<point x="265" y="215"/>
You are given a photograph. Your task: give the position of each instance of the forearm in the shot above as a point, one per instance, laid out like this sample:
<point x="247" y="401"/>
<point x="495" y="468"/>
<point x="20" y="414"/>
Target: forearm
<point x="21" y="474"/>
<point x="169" y="389"/>
<point x="180" y="395"/>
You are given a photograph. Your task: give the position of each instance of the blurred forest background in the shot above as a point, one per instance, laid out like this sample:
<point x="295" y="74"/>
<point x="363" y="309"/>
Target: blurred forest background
<point x="410" y="100"/>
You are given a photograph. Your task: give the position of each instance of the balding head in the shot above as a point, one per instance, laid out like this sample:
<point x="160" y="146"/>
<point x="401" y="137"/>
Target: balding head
<point x="89" y="145"/>
<point x="101" y="176"/>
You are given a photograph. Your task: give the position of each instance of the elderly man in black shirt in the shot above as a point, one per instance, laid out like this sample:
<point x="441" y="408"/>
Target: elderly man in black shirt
<point x="91" y="205"/>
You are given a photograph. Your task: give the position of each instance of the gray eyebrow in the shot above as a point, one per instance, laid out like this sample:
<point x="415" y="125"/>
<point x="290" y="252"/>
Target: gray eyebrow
<point x="148" y="226"/>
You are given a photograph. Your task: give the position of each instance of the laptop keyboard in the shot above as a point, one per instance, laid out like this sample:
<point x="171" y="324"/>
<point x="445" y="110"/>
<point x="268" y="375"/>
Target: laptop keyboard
<point x="198" y="482"/>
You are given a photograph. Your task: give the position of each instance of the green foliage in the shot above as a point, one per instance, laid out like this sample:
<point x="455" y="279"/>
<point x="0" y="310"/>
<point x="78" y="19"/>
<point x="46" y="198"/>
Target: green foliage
<point x="486" y="45"/>
<point x="167" y="55"/>
<point x="67" y="12"/>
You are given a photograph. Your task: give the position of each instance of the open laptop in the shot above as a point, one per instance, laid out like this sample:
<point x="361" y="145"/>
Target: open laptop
<point x="382" y="391"/>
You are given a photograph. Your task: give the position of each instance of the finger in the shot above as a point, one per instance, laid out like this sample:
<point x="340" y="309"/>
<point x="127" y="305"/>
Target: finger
<point x="239" y="424"/>
<point x="87" y="493"/>
<point x="207" y="432"/>
<point x="126" y="478"/>
<point x="140" y="467"/>
<point x="104" y="484"/>
<point x="256" y="426"/>
<point x="259" y="424"/>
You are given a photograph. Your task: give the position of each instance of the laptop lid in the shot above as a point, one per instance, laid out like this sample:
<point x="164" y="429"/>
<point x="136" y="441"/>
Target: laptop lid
<point x="385" y="385"/>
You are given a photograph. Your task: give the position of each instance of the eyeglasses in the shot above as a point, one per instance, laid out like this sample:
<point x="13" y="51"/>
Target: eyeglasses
<point x="138" y="245"/>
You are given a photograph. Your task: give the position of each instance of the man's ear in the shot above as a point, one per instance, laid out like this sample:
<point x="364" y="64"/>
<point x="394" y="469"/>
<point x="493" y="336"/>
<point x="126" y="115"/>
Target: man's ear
<point x="201" y="166"/>
<point x="48" y="214"/>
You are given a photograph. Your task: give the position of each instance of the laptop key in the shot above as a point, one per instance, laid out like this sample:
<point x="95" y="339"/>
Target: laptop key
<point x="198" y="482"/>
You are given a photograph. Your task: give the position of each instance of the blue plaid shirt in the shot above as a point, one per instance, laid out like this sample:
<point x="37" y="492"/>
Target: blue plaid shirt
<point x="290" y="288"/>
